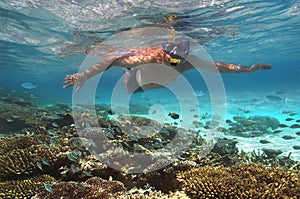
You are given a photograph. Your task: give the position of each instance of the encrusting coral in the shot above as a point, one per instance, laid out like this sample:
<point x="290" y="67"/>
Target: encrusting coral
<point x="24" y="188"/>
<point x="241" y="181"/>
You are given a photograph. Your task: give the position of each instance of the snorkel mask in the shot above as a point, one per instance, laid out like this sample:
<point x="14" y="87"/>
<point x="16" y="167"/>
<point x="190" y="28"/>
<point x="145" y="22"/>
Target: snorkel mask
<point x="177" y="50"/>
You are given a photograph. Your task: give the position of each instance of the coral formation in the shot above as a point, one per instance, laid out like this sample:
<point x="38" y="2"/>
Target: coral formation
<point x="24" y="188"/>
<point x="150" y="194"/>
<point x="19" y="159"/>
<point x="93" y="188"/>
<point x="241" y="181"/>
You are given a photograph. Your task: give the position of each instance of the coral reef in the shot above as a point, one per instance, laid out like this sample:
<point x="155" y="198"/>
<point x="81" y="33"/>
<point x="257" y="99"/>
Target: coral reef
<point x="24" y="188"/>
<point x="93" y="188"/>
<point x="52" y="146"/>
<point x="240" y="181"/>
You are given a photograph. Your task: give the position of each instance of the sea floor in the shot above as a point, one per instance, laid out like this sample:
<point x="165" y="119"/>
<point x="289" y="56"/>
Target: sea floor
<point x="283" y="106"/>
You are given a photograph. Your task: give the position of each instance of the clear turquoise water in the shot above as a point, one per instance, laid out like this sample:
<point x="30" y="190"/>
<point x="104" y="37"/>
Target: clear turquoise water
<point x="34" y="33"/>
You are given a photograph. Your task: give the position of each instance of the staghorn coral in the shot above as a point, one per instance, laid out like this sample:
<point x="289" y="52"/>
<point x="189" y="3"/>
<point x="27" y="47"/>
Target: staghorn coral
<point x="241" y="181"/>
<point x="24" y="188"/>
<point x="94" y="187"/>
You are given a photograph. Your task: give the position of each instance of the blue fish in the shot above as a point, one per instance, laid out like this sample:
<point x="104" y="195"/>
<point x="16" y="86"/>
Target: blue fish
<point x="48" y="188"/>
<point x="45" y="161"/>
<point x="53" y="141"/>
<point x="28" y="85"/>
<point x="87" y="173"/>
<point x="80" y="186"/>
<point x="198" y="93"/>
<point x="175" y="116"/>
<point x="39" y="165"/>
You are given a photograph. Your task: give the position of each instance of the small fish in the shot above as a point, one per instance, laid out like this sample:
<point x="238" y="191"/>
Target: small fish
<point x="111" y="112"/>
<point x="34" y="114"/>
<point x="298" y="121"/>
<point x="48" y="188"/>
<point x="289" y="119"/>
<point x="91" y="141"/>
<point x="228" y="121"/>
<point x="40" y="141"/>
<point x="296" y="147"/>
<point x="287" y="137"/>
<point x="15" y="116"/>
<point x="9" y="120"/>
<point x="71" y="158"/>
<point x="45" y="161"/>
<point x="274" y="98"/>
<point x="53" y="141"/>
<point x="174" y="115"/>
<point x="292" y="114"/>
<point x="295" y="126"/>
<point x="80" y="186"/>
<point x="298" y="133"/>
<point x="286" y="112"/>
<point x="33" y="96"/>
<point x="39" y="165"/>
<point x="199" y="93"/>
<point x="283" y="125"/>
<point x="54" y="124"/>
<point x="47" y="145"/>
<point x="264" y="141"/>
<point x="28" y="85"/>
<point x="73" y="168"/>
<point x="51" y="132"/>
<point x="133" y="138"/>
<point x="87" y="173"/>
<point x="277" y="131"/>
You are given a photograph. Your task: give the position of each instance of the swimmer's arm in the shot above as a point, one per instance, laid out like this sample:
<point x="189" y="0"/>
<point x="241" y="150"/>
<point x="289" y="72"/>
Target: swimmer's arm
<point x="78" y="79"/>
<point x="233" y="68"/>
<point x="223" y="67"/>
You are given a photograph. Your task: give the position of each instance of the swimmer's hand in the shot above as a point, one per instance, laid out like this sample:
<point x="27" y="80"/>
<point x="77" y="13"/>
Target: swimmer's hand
<point x="255" y="67"/>
<point x="73" y="80"/>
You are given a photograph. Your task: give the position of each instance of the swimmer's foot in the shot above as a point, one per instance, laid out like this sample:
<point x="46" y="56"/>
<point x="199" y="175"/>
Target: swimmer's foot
<point x="73" y="80"/>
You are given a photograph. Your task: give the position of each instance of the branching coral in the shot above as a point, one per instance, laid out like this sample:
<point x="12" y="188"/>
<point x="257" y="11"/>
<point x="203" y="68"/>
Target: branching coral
<point x="242" y="181"/>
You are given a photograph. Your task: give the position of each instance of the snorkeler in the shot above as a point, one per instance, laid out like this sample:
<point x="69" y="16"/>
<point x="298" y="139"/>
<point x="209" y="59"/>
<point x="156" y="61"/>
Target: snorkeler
<point x="174" y="54"/>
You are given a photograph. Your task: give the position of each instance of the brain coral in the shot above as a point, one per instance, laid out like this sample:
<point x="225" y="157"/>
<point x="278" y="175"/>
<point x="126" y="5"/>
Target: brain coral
<point x="242" y="181"/>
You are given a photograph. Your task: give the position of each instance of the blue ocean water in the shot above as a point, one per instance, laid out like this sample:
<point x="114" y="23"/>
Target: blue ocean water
<point x="40" y="41"/>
